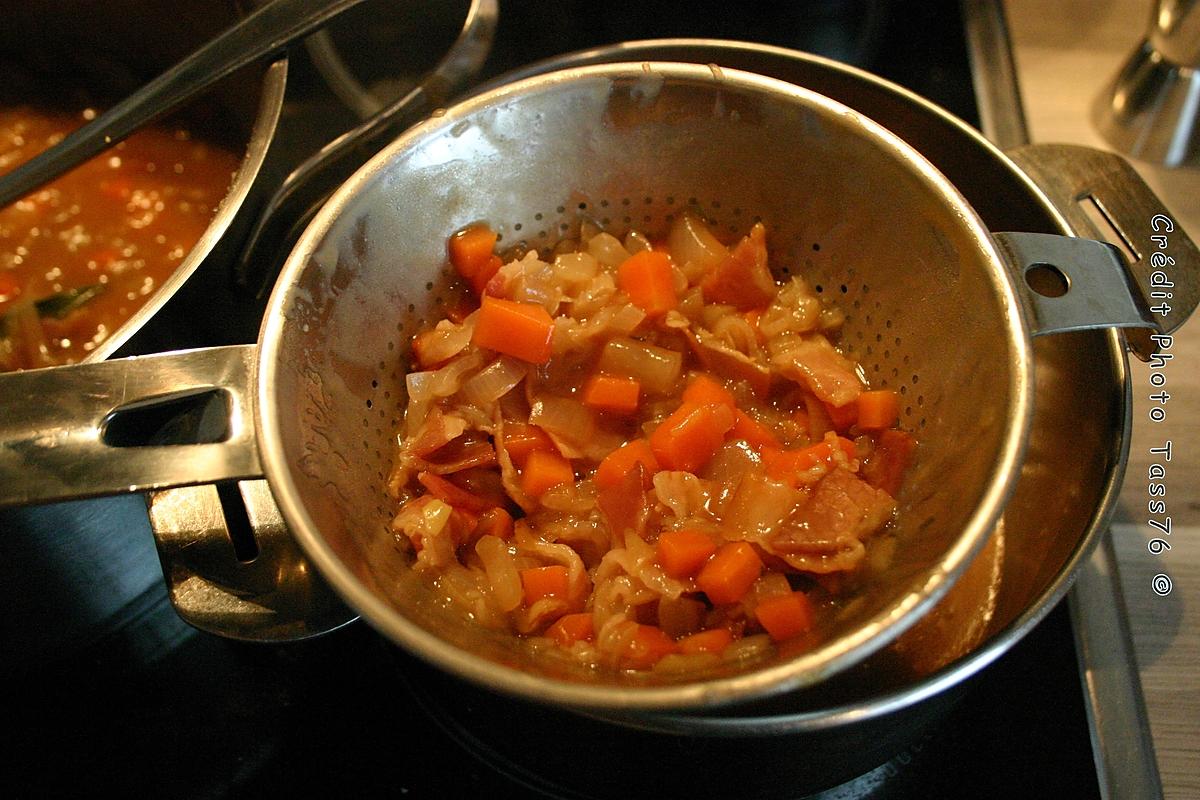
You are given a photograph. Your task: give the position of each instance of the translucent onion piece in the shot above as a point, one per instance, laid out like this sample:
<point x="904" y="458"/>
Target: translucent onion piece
<point x="445" y="341"/>
<point x="605" y="248"/>
<point x="626" y="318"/>
<point x="694" y="248"/>
<point x="502" y="572"/>
<point x="636" y="242"/>
<point x="796" y="309"/>
<point x="575" y="270"/>
<point x="493" y="382"/>
<point x="682" y="492"/>
<point x="656" y="368"/>
<point x="568" y="422"/>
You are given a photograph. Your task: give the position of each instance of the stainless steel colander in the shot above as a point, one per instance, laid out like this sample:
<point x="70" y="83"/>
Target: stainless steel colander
<point x="936" y="307"/>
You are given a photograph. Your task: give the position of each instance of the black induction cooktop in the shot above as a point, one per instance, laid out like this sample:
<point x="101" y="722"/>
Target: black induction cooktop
<point x="105" y="689"/>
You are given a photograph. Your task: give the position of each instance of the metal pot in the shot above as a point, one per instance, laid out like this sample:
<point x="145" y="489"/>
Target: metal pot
<point x="104" y="53"/>
<point x="328" y="362"/>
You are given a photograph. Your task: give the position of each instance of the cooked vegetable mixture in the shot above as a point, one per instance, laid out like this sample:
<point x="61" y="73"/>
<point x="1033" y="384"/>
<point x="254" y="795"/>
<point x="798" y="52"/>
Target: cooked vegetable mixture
<point x="648" y="454"/>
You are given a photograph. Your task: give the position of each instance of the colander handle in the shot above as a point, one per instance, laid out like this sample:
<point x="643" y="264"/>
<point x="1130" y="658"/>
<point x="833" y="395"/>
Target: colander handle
<point x="1069" y="284"/>
<point x="1101" y="196"/>
<point x="66" y="432"/>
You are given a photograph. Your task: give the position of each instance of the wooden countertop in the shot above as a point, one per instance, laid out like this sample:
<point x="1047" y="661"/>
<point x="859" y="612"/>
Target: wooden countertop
<point x="1066" y="51"/>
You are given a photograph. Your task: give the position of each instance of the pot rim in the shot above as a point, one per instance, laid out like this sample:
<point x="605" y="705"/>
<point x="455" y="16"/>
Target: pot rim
<point x="266" y="117"/>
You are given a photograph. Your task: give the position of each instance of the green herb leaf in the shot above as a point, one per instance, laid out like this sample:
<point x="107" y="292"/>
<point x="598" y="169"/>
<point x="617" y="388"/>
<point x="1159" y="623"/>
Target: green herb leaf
<point x="62" y="304"/>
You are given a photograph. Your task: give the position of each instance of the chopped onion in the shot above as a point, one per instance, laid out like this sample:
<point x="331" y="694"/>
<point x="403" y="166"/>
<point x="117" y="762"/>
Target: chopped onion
<point x="694" y="248"/>
<point x="426" y="387"/>
<point x="594" y="296"/>
<point x="796" y="309"/>
<point x="501" y="571"/>
<point x="575" y="270"/>
<point x="493" y="381"/>
<point x="626" y="318"/>
<point x="568" y="422"/>
<point x="445" y="341"/>
<point x="605" y="248"/>
<point x="655" y="368"/>
<point x="636" y="242"/>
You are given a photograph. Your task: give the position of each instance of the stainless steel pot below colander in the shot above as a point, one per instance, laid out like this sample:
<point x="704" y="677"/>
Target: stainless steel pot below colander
<point x="937" y="308"/>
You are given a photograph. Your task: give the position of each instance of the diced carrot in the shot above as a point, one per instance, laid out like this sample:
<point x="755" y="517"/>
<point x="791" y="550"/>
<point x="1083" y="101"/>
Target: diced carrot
<point x="521" y="330"/>
<point x="647" y="647"/>
<point x="453" y="495"/>
<point x="539" y="582"/>
<point x="649" y="281"/>
<point x="688" y="438"/>
<point x="471" y="254"/>
<point x="704" y="390"/>
<point x="751" y="431"/>
<point x="571" y="628"/>
<point x="878" y="409"/>
<point x="842" y="417"/>
<point x="610" y="393"/>
<point x="495" y="522"/>
<point x="714" y="640"/>
<point x="543" y="471"/>
<point x="730" y="573"/>
<point x="619" y="462"/>
<point x="886" y="466"/>
<point x="785" y="616"/>
<point x="521" y="439"/>
<point x="483" y="277"/>
<point x="782" y="465"/>
<point x="683" y="552"/>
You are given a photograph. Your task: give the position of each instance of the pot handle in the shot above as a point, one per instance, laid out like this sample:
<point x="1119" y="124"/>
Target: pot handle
<point x="73" y="432"/>
<point x="79" y="431"/>
<point x="1101" y="196"/>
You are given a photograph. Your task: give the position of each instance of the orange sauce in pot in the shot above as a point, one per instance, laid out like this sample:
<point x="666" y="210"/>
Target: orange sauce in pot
<point x="82" y="254"/>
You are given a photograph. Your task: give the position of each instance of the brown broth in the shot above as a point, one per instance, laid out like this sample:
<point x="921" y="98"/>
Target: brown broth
<point x="115" y="228"/>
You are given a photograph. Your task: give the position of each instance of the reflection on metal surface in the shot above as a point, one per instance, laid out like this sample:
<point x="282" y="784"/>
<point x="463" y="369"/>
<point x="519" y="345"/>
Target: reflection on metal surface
<point x="1096" y="290"/>
<point x="293" y="204"/>
<point x="52" y="443"/>
<point x="276" y="595"/>
<point x="993" y="73"/>
<point x="1151" y="109"/>
<point x="1116" y="711"/>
